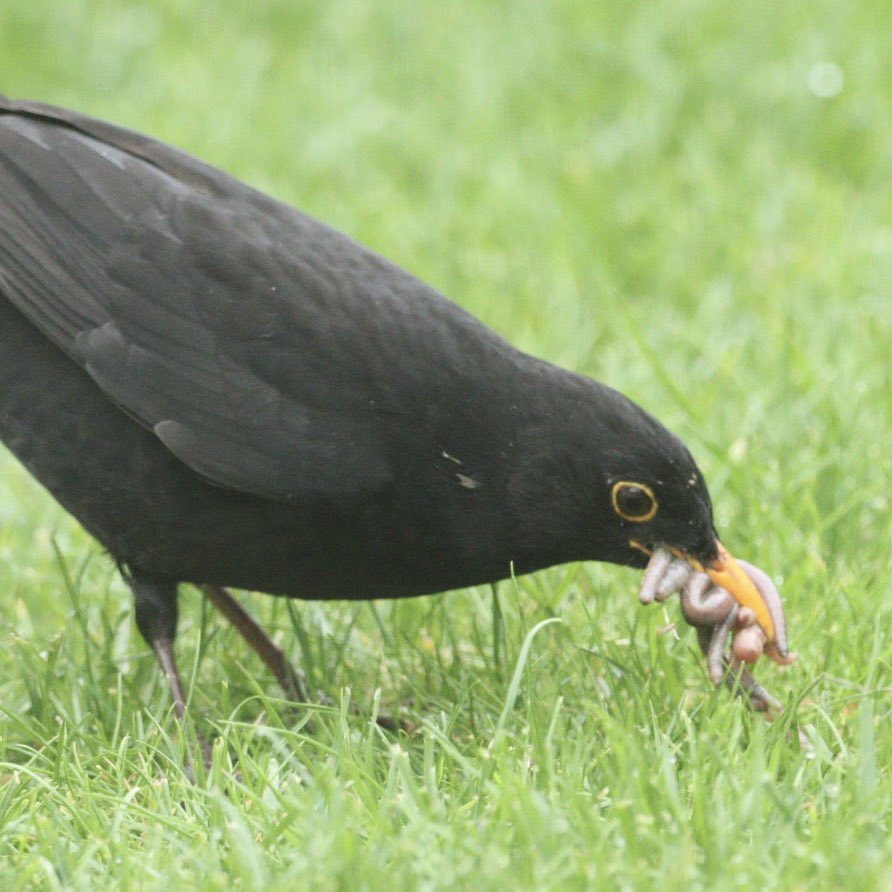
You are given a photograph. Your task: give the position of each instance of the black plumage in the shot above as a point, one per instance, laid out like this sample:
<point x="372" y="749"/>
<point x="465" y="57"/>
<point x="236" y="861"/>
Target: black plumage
<point x="226" y="392"/>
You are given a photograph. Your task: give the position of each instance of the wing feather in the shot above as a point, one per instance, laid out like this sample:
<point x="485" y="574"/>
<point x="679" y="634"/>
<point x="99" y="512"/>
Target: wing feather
<point x="196" y="304"/>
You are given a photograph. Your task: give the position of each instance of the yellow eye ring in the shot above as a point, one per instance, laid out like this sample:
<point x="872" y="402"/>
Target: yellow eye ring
<point x="635" y="508"/>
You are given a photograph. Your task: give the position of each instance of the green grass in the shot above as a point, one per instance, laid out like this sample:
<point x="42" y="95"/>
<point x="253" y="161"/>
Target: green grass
<point x="677" y="197"/>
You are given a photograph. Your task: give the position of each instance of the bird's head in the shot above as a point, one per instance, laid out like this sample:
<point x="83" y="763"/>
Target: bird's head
<point x="653" y="495"/>
<point x="601" y="479"/>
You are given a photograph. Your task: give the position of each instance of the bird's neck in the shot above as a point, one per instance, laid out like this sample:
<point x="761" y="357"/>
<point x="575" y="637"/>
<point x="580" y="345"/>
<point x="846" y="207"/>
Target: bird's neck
<point x="552" y="465"/>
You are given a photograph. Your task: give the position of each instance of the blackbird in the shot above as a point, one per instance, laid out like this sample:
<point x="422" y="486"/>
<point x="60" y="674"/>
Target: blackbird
<point x="226" y="392"/>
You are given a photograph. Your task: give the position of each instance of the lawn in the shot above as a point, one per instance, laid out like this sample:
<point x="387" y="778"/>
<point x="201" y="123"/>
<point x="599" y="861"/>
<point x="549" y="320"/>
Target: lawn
<point x="689" y="200"/>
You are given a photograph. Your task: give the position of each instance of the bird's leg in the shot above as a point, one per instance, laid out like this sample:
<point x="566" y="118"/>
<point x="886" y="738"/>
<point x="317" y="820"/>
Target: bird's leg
<point x="273" y="658"/>
<point x="156" y="618"/>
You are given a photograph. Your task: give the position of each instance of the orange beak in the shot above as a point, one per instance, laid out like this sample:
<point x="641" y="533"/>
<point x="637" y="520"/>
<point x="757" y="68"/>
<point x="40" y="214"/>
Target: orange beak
<point x="726" y="573"/>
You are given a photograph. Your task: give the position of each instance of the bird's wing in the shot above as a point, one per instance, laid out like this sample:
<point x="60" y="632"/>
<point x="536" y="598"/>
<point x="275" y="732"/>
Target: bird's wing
<point x="207" y="311"/>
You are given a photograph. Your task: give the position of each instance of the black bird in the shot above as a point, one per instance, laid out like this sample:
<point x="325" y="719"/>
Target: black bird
<point x="224" y="391"/>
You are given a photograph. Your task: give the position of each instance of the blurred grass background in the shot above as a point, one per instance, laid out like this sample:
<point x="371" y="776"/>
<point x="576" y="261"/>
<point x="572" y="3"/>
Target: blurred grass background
<point x="685" y="199"/>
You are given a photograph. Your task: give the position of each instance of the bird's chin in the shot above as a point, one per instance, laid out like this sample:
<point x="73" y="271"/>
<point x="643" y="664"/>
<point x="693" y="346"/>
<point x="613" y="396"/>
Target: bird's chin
<point x="641" y="552"/>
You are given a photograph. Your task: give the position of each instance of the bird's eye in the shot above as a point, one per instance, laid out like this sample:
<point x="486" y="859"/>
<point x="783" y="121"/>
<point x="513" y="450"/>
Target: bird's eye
<point x="634" y="501"/>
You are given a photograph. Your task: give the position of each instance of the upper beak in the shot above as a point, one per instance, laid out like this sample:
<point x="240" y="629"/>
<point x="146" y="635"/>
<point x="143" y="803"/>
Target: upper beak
<point x="727" y="573"/>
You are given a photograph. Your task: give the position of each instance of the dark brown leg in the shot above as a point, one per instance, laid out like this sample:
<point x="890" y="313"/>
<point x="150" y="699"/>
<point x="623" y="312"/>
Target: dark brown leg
<point x="260" y="642"/>
<point x="164" y="653"/>
<point x="156" y="619"/>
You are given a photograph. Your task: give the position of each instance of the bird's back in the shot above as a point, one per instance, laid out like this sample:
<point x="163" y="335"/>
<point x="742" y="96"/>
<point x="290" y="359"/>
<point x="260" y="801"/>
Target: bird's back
<point x="208" y="378"/>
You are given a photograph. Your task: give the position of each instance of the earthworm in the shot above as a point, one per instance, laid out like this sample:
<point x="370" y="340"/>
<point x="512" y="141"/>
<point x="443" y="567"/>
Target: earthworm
<point x="715" y="615"/>
<point x="704" y="604"/>
<point x="778" y="650"/>
<point x="656" y="569"/>
<point x="677" y="574"/>
<point x="715" y="655"/>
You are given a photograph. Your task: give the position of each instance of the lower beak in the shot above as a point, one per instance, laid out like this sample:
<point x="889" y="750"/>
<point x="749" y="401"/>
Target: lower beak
<point x="726" y="573"/>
